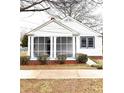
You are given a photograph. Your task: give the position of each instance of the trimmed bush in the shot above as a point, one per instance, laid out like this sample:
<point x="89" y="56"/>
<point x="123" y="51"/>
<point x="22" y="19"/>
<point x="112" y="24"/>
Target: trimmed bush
<point x="82" y="58"/>
<point x="24" y="60"/>
<point x="61" y="58"/>
<point x="43" y="59"/>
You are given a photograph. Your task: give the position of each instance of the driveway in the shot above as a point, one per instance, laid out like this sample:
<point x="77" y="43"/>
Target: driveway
<point x="60" y="74"/>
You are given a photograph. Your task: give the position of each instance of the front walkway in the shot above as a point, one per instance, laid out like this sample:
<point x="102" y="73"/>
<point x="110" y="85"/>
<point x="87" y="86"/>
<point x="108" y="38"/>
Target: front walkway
<point x="60" y="74"/>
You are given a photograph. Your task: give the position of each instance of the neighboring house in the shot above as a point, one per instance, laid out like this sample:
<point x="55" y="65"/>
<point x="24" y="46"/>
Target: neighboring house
<point x="67" y="36"/>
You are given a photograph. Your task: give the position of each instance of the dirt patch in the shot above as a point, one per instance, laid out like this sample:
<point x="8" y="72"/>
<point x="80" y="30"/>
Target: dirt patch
<point x="61" y="86"/>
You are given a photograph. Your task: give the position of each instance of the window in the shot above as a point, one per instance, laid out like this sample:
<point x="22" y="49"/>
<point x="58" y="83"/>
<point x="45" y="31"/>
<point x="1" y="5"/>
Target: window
<point x="90" y="42"/>
<point x="87" y="42"/>
<point x="41" y="46"/>
<point x="83" y="42"/>
<point x="64" y="46"/>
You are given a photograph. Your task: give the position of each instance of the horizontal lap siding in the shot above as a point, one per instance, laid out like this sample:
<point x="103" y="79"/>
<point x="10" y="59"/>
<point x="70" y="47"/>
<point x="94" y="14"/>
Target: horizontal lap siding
<point x="97" y="51"/>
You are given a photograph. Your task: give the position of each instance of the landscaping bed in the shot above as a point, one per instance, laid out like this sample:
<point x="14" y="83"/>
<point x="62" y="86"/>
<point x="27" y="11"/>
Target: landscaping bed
<point x="51" y="62"/>
<point x="43" y="62"/>
<point x="56" y="66"/>
<point x="61" y="86"/>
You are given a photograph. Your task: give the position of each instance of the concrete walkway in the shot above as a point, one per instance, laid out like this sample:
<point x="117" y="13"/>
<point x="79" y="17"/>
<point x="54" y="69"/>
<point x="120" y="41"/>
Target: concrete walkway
<point x="60" y="74"/>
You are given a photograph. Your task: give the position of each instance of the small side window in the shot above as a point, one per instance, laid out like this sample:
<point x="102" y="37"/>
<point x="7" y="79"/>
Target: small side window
<point x="87" y="42"/>
<point x="91" y="42"/>
<point x="83" y="42"/>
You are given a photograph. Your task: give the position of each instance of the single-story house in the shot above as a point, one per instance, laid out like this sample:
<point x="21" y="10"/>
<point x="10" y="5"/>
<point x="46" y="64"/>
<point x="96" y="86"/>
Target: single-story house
<point x="66" y="36"/>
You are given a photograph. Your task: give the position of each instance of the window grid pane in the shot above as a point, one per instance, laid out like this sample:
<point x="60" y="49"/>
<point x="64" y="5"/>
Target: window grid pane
<point x="41" y="46"/>
<point x="83" y="42"/>
<point x="64" y="46"/>
<point x="87" y="42"/>
<point x="90" y="42"/>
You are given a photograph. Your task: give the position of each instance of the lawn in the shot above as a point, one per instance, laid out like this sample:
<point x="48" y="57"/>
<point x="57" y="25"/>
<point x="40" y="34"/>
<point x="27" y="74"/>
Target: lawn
<point x="56" y="66"/>
<point x="61" y="86"/>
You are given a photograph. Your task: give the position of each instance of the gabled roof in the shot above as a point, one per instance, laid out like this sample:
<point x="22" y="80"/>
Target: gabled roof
<point x="68" y="23"/>
<point x="57" y="22"/>
<point x="77" y="26"/>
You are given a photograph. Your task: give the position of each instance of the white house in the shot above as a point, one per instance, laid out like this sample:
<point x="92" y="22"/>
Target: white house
<point x="66" y="36"/>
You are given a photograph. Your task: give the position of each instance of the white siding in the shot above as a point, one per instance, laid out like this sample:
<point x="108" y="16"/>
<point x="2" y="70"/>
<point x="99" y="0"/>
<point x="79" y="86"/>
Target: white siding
<point x="97" y="51"/>
<point x="52" y="29"/>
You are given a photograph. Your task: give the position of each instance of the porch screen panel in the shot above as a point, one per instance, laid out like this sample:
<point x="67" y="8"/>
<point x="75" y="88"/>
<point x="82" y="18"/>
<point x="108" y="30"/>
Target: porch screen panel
<point x="64" y="46"/>
<point x="41" y="46"/>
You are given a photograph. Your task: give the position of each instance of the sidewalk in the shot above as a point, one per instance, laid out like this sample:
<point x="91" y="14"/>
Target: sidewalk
<point x="60" y="74"/>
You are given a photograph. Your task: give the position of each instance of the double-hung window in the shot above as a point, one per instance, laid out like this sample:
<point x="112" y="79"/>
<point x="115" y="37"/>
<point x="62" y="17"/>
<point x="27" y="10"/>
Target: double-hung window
<point x="87" y="41"/>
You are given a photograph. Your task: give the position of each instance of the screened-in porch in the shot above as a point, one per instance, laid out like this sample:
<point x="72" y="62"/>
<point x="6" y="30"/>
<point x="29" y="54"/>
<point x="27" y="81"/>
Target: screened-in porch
<point x="52" y="46"/>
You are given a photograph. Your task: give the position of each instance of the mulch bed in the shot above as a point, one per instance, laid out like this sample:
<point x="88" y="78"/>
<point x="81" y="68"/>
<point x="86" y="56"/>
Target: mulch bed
<point x="50" y="62"/>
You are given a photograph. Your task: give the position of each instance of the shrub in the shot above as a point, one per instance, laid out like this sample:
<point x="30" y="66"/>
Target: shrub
<point x="43" y="59"/>
<point x="24" y="60"/>
<point x="82" y="58"/>
<point x="24" y="41"/>
<point x="61" y="58"/>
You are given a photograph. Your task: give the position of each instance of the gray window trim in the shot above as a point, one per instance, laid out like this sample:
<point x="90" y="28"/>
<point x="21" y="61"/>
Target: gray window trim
<point x="87" y="41"/>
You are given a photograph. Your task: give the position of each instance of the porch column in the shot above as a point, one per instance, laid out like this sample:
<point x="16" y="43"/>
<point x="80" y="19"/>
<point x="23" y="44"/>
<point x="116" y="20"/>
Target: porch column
<point x="54" y="46"/>
<point x="51" y="47"/>
<point x="32" y="47"/>
<point x="29" y="46"/>
<point x="73" y="46"/>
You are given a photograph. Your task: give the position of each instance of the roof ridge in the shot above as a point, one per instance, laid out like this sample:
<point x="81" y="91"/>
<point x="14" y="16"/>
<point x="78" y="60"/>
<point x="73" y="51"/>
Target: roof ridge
<point x="58" y="22"/>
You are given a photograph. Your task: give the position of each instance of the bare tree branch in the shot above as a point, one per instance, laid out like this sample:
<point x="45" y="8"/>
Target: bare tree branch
<point x="33" y="10"/>
<point x="27" y="4"/>
<point x="80" y="10"/>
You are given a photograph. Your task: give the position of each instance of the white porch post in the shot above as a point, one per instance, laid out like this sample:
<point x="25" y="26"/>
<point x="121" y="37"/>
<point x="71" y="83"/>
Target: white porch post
<point x="78" y="44"/>
<point x="32" y="47"/>
<point x="73" y="46"/>
<point x="54" y="46"/>
<point x="51" y="47"/>
<point x="29" y="46"/>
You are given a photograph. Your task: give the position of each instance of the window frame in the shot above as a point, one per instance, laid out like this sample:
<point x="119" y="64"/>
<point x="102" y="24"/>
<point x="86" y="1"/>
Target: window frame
<point x="38" y="51"/>
<point x="66" y="44"/>
<point x="87" y="41"/>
